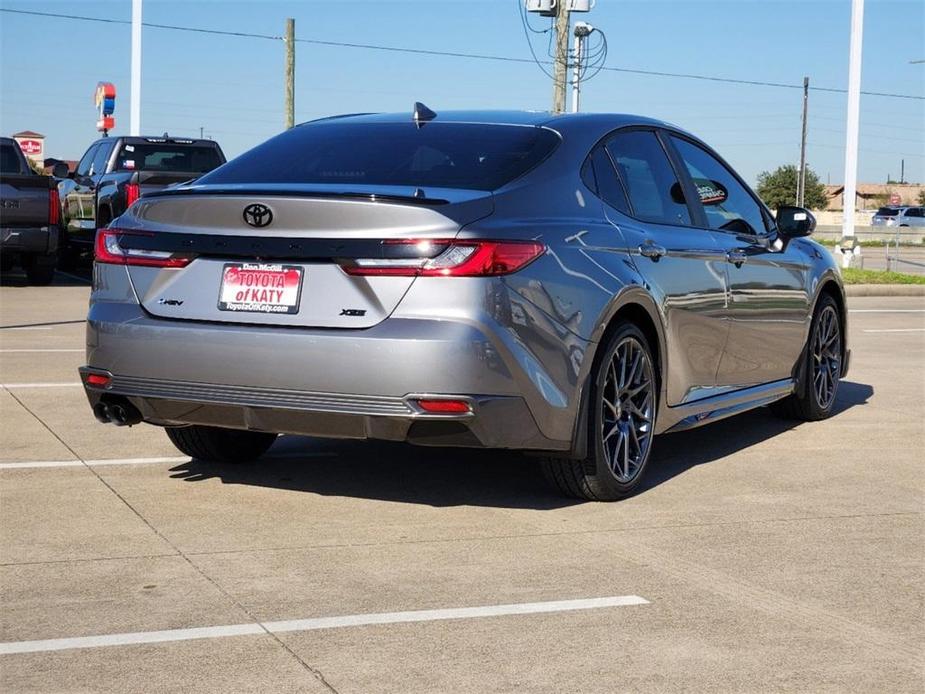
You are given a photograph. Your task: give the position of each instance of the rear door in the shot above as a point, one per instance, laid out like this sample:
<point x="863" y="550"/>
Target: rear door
<point x="684" y="265"/>
<point x="769" y="302"/>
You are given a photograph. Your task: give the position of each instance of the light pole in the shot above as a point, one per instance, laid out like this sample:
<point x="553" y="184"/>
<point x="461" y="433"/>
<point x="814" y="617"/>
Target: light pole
<point x="854" y="115"/>
<point x="135" y="99"/>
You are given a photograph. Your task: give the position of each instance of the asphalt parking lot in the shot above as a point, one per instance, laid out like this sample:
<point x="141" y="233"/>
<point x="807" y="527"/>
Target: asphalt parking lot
<point x="762" y="555"/>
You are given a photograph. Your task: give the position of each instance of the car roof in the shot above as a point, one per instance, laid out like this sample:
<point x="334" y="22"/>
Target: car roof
<point x="560" y="122"/>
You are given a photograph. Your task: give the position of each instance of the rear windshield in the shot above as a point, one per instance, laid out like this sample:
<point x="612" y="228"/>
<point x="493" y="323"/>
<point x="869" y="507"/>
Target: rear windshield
<point x="167" y="157"/>
<point x="449" y="155"/>
<point x="887" y="212"/>
<point x="9" y="160"/>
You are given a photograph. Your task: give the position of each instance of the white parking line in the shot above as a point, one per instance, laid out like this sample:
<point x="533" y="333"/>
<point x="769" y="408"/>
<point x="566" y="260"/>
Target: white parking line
<point x="69" y="384"/>
<point x="19" y="351"/>
<point x="886" y="310"/>
<point x="352" y="620"/>
<point x="30" y="464"/>
<point x="897" y="330"/>
<point x="79" y="463"/>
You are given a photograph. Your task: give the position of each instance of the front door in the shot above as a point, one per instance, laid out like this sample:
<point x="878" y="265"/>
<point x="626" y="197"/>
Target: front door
<point x="769" y="304"/>
<point x="78" y="200"/>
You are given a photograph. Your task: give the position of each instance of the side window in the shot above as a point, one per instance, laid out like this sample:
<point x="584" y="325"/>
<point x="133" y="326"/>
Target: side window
<point x="83" y="167"/>
<point x="651" y="184"/>
<point x="727" y="203"/>
<point x="609" y="188"/>
<point x="101" y="157"/>
<point x="587" y="175"/>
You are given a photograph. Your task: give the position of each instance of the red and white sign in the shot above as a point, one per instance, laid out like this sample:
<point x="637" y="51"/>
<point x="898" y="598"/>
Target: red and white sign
<point x="31" y="147"/>
<point x="895" y="199"/>
<point x="260" y="288"/>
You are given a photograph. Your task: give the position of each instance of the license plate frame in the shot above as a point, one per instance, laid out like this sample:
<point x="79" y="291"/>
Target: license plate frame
<point x="276" y="273"/>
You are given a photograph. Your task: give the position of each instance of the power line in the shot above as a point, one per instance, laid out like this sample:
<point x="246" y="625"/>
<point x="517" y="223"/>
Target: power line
<point x="458" y="54"/>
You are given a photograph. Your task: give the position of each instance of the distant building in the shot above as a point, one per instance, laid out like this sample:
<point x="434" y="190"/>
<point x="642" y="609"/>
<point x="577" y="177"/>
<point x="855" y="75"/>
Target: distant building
<point x="870" y="196"/>
<point x="32" y="145"/>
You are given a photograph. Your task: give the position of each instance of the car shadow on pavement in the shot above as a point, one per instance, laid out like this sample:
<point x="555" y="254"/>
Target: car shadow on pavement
<point x="674" y="454"/>
<point x="454" y="476"/>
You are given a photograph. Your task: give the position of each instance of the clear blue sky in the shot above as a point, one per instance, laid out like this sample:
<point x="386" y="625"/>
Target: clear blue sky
<point x="233" y="87"/>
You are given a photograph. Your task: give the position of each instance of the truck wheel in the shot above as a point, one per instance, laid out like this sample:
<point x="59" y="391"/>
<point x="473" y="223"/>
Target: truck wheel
<point x="218" y="445"/>
<point x="40" y="269"/>
<point x="67" y="254"/>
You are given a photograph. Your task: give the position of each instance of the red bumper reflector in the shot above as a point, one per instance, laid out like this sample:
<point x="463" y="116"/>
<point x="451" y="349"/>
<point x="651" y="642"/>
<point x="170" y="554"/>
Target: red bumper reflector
<point x="445" y="406"/>
<point x="99" y="380"/>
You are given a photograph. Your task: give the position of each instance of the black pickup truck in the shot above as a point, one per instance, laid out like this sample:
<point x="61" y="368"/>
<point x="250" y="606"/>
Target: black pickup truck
<point x="29" y="216"/>
<point x="116" y="171"/>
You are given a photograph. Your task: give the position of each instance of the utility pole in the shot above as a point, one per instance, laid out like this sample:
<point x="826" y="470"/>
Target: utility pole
<point x="560" y="68"/>
<point x="902" y="170"/>
<point x="200" y="131"/>
<point x="854" y="115"/>
<point x="290" y="73"/>
<point x="135" y="96"/>
<point x="801" y="176"/>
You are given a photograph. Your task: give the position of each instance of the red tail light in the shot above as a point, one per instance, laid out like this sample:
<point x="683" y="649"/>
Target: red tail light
<point x="98" y="380"/>
<point x="132" y="193"/>
<point x="54" y="207"/>
<point x="108" y="250"/>
<point x="457" y="259"/>
<point x="442" y="406"/>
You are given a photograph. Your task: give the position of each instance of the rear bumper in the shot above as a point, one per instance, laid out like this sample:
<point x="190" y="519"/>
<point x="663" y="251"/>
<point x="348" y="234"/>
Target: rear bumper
<point x="29" y="239"/>
<point x="329" y="383"/>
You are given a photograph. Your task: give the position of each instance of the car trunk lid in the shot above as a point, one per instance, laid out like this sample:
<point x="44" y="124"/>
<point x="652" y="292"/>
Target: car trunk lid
<point x="265" y="255"/>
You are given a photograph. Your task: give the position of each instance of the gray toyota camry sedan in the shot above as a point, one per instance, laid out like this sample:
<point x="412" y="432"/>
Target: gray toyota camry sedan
<point x="569" y="285"/>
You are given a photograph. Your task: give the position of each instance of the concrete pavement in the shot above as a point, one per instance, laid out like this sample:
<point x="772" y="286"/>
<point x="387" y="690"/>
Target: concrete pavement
<point x="773" y="556"/>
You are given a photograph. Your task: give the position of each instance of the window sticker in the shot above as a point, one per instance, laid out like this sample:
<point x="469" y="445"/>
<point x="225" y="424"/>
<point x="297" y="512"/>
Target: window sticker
<point x="129" y="163"/>
<point x="129" y="148"/>
<point x="711" y="192"/>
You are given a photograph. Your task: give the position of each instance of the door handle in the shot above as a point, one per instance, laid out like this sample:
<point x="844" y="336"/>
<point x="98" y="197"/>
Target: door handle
<point x="652" y="251"/>
<point x="737" y="257"/>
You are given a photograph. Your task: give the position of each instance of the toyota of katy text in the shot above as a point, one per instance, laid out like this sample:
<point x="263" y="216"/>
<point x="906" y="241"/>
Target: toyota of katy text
<point x="568" y="285"/>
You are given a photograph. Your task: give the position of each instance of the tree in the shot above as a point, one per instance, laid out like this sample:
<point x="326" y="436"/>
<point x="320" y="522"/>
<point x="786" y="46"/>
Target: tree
<point x="921" y="197"/>
<point x="35" y="167"/>
<point x="779" y="188"/>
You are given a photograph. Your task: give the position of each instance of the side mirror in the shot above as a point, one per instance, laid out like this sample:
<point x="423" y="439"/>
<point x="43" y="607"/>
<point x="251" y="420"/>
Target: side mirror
<point x="795" y="221"/>
<point x="60" y="170"/>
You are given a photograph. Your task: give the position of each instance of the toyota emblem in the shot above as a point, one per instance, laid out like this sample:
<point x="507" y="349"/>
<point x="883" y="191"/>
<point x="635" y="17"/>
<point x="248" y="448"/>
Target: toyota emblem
<point x="258" y="215"/>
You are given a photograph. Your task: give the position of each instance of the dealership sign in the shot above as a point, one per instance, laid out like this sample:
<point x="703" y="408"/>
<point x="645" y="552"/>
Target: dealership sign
<point x="105" y="99"/>
<point x="31" y="147"/>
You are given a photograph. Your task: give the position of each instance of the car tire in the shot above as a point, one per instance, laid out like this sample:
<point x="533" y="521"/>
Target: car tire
<point x="40" y="269"/>
<point x="815" y="398"/>
<point x="218" y="445"/>
<point x="623" y="401"/>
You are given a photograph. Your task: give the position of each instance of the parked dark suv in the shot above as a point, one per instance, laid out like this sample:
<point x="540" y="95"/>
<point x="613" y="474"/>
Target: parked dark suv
<point x="116" y="171"/>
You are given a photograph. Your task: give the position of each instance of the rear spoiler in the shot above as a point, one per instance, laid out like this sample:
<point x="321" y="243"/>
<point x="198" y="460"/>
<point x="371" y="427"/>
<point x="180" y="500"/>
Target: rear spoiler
<point x="307" y="193"/>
